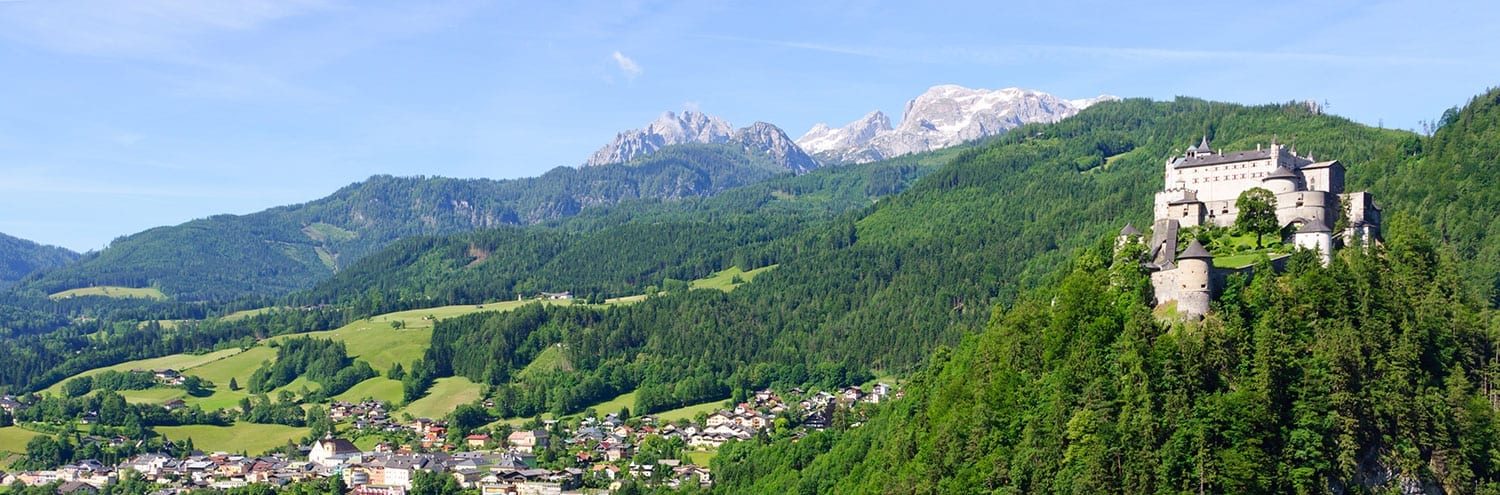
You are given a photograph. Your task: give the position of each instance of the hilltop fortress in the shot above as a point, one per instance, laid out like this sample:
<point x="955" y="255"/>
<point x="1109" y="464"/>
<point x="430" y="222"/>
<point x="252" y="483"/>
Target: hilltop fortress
<point x="1201" y="187"/>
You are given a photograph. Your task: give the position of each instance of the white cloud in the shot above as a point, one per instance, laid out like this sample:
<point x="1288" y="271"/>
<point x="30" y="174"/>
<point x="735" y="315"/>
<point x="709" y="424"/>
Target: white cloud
<point x="627" y="66"/>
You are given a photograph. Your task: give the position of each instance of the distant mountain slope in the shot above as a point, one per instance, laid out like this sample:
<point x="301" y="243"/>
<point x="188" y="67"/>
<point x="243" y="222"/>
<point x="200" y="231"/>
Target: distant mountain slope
<point x="291" y="247"/>
<point x="693" y="127"/>
<point x="625" y="247"/>
<point x="943" y="116"/>
<point x="20" y="257"/>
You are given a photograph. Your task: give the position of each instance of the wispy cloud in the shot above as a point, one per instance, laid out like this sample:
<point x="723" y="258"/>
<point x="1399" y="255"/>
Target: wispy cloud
<point x="626" y="65"/>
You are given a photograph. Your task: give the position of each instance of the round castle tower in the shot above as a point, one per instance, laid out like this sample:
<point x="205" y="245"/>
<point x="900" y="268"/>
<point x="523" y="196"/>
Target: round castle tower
<point x="1317" y="236"/>
<point x="1280" y="181"/>
<point x="1194" y="280"/>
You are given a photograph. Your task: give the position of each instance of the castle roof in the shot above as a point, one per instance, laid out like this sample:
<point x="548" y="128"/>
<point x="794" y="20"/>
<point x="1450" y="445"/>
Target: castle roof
<point x="1314" y="226"/>
<point x="1129" y="230"/>
<point x="1281" y="173"/>
<point x="1209" y="159"/>
<point x="1326" y="164"/>
<point x="1195" y="250"/>
<point x="1202" y="146"/>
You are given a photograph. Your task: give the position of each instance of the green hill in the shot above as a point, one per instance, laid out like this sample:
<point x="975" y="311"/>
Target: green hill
<point x="20" y="257"/>
<point x="292" y="247"/>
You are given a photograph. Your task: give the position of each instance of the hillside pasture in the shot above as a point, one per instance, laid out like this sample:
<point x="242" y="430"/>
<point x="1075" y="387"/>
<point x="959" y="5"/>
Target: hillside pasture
<point x="445" y="395"/>
<point x="689" y="412"/>
<point x="250" y="438"/>
<point x="553" y="358"/>
<point x="13" y="440"/>
<point x="725" y="279"/>
<point x="378" y="388"/>
<point x="112" y="292"/>
<point x="180" y="362"/>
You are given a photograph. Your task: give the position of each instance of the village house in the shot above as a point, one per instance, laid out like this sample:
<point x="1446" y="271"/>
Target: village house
<point x="527" y="441"/>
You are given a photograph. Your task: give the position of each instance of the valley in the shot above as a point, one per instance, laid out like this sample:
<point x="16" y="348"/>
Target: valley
<point x="982" y="280"/>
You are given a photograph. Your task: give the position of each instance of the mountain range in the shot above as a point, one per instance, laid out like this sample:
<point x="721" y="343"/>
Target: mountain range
<point x="696" y="127"/>
<point x="943" y="116"/>
<point x="676" y="156"/>
<point x="282" y="249"/>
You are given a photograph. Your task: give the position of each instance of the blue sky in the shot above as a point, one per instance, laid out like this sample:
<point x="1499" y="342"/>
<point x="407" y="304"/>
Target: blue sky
<point x="117" y="116"/>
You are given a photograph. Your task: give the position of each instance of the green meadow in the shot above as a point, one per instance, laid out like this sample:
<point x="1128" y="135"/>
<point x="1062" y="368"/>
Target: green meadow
<point x="112" y="291"/>
<point x="250" y="438"/>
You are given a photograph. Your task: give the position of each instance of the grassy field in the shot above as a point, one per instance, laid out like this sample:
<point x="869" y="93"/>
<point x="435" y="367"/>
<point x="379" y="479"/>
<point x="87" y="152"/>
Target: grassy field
<point x="112" y="291"/>
<point x="13" y="439"/>
<point x="445" y="395"/>
<point x="323" y="232"/>
<point x="1242" y="260"/>
<point x="724" y="279"/>
<point x="700" y="457"/>
<point x="250" y="438"/>
<point x="153" y="395"/>
<point x="689" y="412"/>
<point x="176" y="361"/>
<point x="373" y="340"/>
<point x="553" y="358"/>
<point x="380" y="388"/>
<point x="245" y="313"/>
<point x="614" y="405"/>
<point x="165" y="324"/>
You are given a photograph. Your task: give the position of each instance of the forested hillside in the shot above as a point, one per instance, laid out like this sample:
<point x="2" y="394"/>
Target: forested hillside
<point x="1369" y="375"/>
<point x="1453" y="187"/>
<point x="619" y="249"/>
<point x="282" y="249"/>
<point x="20" y="257"/>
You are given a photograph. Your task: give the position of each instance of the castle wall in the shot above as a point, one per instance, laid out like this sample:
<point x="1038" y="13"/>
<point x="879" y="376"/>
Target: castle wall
<point x="1225" y="182"/>
<point x="1364" y="216"/>
<point x="1190" y="285"/>
<point x="1324" y="177"/>
<point x="1307" y="206"/>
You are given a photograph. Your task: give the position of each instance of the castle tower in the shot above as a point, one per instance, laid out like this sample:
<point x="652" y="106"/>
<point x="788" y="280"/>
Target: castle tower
<point x="1194" y="280"/>
<point x="1316" y="235"/>
<point x="1127" y="235"/>
<point x="1280" y="181"/>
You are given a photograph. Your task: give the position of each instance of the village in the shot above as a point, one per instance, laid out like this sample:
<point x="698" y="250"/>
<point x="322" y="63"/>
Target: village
<point x="588" y="454"/>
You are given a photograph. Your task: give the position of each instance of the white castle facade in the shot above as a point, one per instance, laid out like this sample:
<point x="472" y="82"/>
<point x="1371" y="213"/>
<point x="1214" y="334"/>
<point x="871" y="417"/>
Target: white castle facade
<point x="1201" y="187"/>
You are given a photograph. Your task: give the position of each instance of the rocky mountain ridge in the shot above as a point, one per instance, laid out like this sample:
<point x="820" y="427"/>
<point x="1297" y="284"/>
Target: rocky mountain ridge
<point x="943" y="116"/>
<point x="692" y="126"/>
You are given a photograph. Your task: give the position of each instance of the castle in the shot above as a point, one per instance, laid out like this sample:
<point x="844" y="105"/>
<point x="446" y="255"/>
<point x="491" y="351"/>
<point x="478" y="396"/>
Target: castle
<point x="1201" y="187"/>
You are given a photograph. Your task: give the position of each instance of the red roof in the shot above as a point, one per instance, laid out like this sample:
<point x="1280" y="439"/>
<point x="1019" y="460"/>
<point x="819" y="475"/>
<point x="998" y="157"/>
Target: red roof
<point x="477" y="437"/>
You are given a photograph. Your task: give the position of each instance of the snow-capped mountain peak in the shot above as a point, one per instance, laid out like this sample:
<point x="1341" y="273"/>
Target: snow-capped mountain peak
<point x="943" y="116"/>
<point x="668" y="129"/>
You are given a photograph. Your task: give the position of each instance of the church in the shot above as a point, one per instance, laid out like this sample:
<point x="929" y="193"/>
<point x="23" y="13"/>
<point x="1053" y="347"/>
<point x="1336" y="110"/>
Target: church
<point x="1201" y="187"/>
